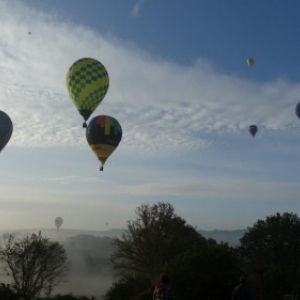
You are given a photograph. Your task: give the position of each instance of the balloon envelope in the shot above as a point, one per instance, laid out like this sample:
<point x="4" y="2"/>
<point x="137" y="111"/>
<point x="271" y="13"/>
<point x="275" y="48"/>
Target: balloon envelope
<point x="250" y="62"/>
<point x="252" y="130"/>
<point x="87" y="82"/>
<point x="6" y="129"/>
<point x="58" y="222"/>
<point x="297" y="110"/>
<point x="103" y="134"/>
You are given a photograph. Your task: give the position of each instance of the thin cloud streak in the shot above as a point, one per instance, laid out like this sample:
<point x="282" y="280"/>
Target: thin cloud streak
<point x="215" y="187"/>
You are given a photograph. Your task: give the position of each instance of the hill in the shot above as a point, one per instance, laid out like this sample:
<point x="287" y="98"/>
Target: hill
<point x="231" y="237"/>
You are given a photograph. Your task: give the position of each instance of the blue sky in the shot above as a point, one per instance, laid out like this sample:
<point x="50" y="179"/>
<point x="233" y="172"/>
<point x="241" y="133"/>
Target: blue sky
<point x="184" y="96"/>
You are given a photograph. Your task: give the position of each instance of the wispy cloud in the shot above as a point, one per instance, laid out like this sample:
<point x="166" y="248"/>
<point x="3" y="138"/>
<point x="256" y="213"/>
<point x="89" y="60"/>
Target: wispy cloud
<point x="70" y="180"/>
<point x="161" y="105"/>
<point x="217" y="187"/>
<point x="137" y="7"/>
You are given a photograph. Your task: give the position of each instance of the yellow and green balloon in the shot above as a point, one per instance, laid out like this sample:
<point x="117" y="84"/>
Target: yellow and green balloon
<point x="87" y="82"/>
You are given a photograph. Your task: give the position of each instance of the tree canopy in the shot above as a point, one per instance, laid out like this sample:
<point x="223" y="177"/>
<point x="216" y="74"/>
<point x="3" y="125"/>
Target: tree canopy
<point x="154" y="238"/>
<point x="206" y="271"/>
<point x="34" y="263"/>
<point x="159" y="241"/>
<point x="272" y="248"/>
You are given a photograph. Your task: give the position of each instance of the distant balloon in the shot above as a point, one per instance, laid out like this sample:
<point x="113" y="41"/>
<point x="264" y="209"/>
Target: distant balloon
<point x="58" y="222"/>
<point x="87" y="82"/>
<point x="103" y="134"/>
<point x="6" y="129"/>
<point x="297" y="110"/>
<point x="250" y="62"/>
<point x="252" y="130"/>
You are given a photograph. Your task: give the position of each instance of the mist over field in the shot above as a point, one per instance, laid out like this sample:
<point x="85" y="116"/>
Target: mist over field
<point x="90" y="273"/>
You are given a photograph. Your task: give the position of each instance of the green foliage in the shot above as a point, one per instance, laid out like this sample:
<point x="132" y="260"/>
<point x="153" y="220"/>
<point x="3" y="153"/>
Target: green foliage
<point x="205" y="271"/>
<point x="154" y="238"/>
<point x="159" y="241"/>
<point x="272" y="247"/>
<point x="34" y="263"/>
<point x="8" y="293"/>
<point x="130" y="287"/>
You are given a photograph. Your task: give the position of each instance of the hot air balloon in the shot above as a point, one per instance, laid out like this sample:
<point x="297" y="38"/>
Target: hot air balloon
<point x="103" y="134"/>
<point x="6" y="128"/>
<point x="297" y="110"/>
<point x="252" y="130"/>
<point x="58" y="222"/>
<point x="87" y="82"/>
<point x="250" y="62"/>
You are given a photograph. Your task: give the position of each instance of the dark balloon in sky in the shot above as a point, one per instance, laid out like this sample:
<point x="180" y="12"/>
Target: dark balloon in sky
<point x="6" y="129"/>
<point x="58" y="222"/>
<point x="250" y="62"/>
<point x="297" y="110"/>
<point x="252" y="130"/>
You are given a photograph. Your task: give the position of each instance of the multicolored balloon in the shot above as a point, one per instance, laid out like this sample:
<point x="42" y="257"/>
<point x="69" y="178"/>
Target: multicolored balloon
<point x="58" y="222"/>
<point x="252" y="129"/>
<point x="87" y="82"/>
<point x="103" y="134"/>
<point x="6" y="129"/>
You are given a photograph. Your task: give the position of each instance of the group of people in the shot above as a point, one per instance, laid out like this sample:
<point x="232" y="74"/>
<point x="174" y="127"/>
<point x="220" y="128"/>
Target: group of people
<point x="163" y="290"/>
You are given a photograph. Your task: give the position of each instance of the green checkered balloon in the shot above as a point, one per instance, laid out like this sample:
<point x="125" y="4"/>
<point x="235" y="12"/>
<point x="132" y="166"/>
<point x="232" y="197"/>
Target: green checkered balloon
<point x="87" y="82"/>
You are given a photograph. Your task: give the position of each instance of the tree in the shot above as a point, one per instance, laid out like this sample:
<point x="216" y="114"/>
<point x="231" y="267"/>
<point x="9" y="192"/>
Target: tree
<point x="130" y="287"/>
<point x="153" y="239"/>
<point x="205" y="272"/>
<point x="159" y="241"/>
<point x="35" y="264"/>
<point x="8" y="293"/>
<point x="272" y="248"/>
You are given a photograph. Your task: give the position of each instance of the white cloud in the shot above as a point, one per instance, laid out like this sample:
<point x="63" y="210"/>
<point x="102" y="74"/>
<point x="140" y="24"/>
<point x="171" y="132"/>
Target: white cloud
<point x="161" y="106"/>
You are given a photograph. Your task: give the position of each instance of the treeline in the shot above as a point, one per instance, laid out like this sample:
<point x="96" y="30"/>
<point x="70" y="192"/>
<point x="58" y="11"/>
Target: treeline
<point x="159" y="241"/>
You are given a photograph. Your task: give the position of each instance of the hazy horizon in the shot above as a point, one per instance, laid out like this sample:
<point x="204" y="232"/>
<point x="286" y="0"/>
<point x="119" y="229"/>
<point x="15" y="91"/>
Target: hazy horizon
<point x="82" y="280"/>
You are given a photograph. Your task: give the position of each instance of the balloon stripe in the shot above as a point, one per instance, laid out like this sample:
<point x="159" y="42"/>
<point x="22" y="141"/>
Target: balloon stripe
<point x="107" y="126"/>
<point x="103" y="151"/>
<point x="102" y="121"/>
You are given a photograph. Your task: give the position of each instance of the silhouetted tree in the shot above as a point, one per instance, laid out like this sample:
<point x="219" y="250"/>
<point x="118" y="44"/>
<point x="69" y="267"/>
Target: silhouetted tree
<point x="34" y="263"/>
<point x="8" y="293"/>
<point x="153" y="239"/>
<point x="130" y="287"/>
<point x="205" y="271"/>
<point x="270" y="251"/>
